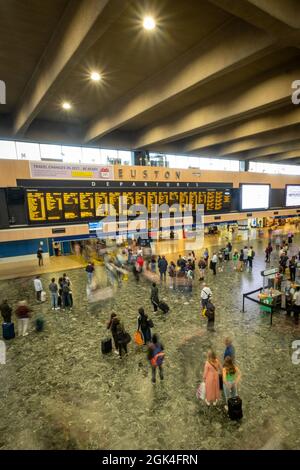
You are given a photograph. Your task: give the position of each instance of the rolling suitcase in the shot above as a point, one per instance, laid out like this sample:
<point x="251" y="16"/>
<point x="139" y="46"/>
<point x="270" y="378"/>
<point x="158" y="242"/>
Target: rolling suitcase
<point x="164" y="307"/>
<point x="8" y="330"/>
<point x="106" y="346"/>
<point x="235" y="410"/>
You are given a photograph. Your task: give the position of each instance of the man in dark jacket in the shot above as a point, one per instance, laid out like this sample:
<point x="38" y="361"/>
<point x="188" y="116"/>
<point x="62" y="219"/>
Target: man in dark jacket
<point x="6" y="311"/>
<point x="162" y="267"/>
<point x="154" y="296"/>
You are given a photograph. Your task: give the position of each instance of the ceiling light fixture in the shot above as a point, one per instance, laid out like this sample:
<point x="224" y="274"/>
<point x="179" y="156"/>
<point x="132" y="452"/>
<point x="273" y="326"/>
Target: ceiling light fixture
<point x="149" y="23"/>
<point x="66" y="105"/>
<point x="95" y="76"/>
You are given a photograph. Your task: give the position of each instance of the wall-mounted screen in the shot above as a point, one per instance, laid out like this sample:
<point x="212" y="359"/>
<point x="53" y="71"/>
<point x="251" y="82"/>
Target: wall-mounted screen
<point x="292" y="195"/>
<point x="255" y="196"/>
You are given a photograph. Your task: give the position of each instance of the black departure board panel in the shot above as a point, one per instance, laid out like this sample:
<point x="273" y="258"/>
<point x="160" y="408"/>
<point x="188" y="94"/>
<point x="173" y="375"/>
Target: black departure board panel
<point x="61" y="205"/>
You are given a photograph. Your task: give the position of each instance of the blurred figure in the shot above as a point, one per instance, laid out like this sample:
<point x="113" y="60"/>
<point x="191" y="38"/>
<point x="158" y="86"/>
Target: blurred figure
<point x="156" y="357"/>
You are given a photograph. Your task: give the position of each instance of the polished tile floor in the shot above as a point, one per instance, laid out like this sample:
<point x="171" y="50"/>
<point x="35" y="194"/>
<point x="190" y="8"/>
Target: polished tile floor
<point x="58" y="391"/>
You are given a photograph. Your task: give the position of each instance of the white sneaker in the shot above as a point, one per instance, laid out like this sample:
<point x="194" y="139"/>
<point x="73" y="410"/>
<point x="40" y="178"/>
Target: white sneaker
<point x="226" y="408"/>
<point x="52" y="308"/>
<point x="116" y="352"/>
<point x="215" y="402"/>
<point x="25" y="334"/>
<point x="207" y="402"/>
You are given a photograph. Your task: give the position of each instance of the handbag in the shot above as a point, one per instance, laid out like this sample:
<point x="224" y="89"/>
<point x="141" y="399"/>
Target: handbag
<point x="150" y="323"/>
<point x="201" y="391"/>
<point x="203" y="312"/>
<point x="211" y="265"/>
<point x="138" y="338"/>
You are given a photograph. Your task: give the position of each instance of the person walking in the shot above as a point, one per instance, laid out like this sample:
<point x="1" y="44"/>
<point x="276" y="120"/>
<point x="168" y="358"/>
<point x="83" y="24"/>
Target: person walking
<point x="212" y="371"/>
<point x="213" y="263"/>
<point x="235" y="259"/>
<point x="122" y="338"/>
<point x="240" y="266"/>
<point x="53" y="288"/>
<point x="172" y="274"/>
<point x="39" y="255"/>
<point x="268" y="252"/>
<point x="231" y="378"/>
<point x="112" y="326"/>
<point x="154" y="296"/>
<point x="229" y="349"/>
<point x="162" y="267"/>
<point x="144" y="325"/>
<point x="153" y="264"/>
<point x="245" y="258"/>
<point x="206" y="256"/>
<point x="251" y="255"/>
<point x="210" y="315"/>
<point x="293" y="266"/>
<point x="90" y="272"/>
<point x="156" y="357"/>
<point x="6" y="311"/>
<point x="202" y="266"/>
<point x="296" y="304"/>
<point x="23" y="315"/>
<point x="38" y="287"/>
<point x="283" y="261"/>
<point x="205" y="295"/>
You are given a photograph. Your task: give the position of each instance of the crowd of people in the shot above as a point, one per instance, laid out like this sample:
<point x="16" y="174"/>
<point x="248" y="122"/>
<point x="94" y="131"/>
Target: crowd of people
<point x="219" y="376"/>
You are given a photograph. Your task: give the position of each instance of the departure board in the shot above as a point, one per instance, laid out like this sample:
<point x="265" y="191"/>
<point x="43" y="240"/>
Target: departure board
<point x="101" y="203"/>
<point x="152" y="199"/>
<point x="193" y="199"/>
<point x="114" y="200"/>
<point x="173" y="197"/>
<point x="59" y="205"/>
<point x="54" y="206"/>
<point x="87" y="205"/>
<point x="141" y="197"/>
<point x="128" y="199"/>
<point x="36" y="206"/>
<point x="71" y="205"/>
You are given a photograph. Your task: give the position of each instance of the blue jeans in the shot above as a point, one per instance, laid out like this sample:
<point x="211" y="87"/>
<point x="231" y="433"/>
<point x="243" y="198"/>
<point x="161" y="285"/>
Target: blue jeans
<point x="90" y="277"/>
<point x="54" y="299"/>
<point x="230" y="392"/>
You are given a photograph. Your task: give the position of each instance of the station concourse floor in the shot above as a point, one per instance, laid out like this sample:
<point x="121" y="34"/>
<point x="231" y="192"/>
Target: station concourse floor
<point x="59" y="392"/>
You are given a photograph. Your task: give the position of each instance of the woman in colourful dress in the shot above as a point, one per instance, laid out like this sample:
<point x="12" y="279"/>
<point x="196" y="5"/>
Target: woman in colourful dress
<point x="212" y="371"/>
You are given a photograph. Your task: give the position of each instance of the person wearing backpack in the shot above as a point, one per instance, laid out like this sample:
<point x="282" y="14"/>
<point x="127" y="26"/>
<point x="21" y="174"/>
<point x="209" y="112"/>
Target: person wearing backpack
<point x="144" y="325"/>
<point x="231" y="377"/>
<point x="156" y="357"/>
<point x="251" y="254"/>
<point x="65" y="299"/>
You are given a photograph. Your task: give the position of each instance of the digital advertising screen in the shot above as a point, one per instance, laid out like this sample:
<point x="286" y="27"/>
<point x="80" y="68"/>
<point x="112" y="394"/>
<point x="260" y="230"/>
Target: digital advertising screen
<point x="255" y="196"/>
<point x="292" y="195"/>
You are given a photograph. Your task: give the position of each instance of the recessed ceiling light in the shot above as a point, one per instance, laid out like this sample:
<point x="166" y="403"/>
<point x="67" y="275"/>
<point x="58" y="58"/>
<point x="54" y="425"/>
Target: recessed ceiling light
<point x="95" y="76"/>
<point x="149" y="23"/>
<point x="66" y="105"/>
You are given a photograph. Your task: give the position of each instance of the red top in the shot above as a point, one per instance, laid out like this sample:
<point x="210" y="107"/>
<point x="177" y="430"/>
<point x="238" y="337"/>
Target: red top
<point x="23" y="311"/>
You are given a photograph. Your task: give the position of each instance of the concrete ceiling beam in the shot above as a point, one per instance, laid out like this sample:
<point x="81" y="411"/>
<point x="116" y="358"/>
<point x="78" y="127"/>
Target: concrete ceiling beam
<point x="268" y="92"/>
<point x="83" y="23"/>
<point x="230" y="47"/>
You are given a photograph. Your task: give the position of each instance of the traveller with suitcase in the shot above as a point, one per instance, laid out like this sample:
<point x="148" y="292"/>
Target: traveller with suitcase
<point x="156" y="357"/>
<point x="231" y="378"/>
<point x="6" y="311"/>
<point x="112" y="326"/>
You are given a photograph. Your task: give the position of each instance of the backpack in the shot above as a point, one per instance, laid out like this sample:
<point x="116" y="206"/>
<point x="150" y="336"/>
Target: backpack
<point x="66" y="289"/>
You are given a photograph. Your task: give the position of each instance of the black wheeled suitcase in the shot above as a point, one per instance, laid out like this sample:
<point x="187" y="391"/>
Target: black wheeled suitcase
<point x="106" y="346"/>
<point x="8" y="330"/>
<point x="164" y="307"/>
<point x="235" y="410"/>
